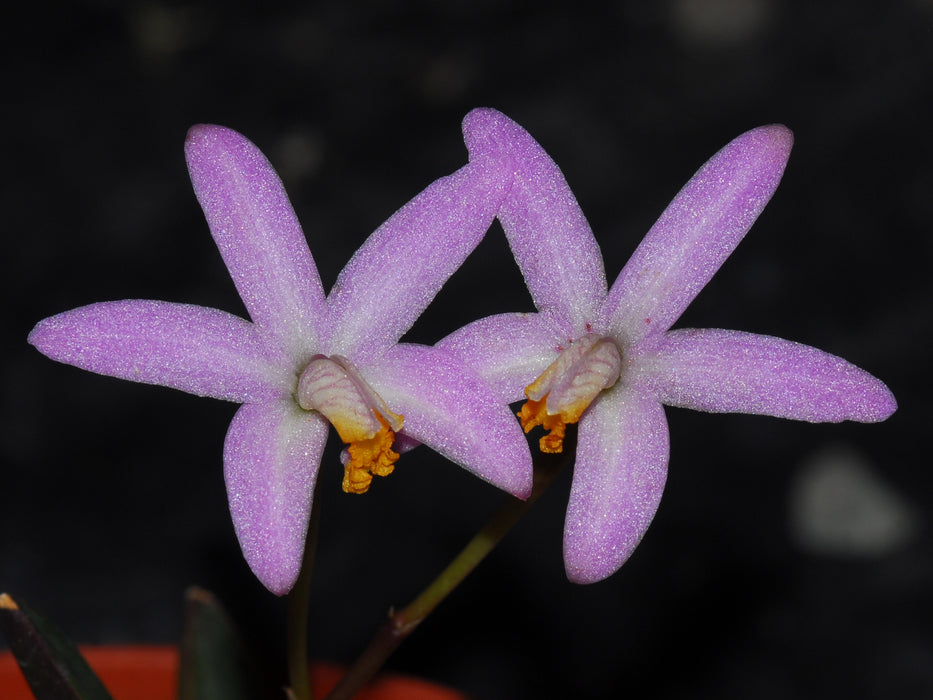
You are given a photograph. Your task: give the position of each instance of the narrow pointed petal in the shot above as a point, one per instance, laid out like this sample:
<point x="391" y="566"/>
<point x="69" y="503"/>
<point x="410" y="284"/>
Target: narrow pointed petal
<point x="451" y="410"/>
<point x="696" y="233"/>
<point x="618" y="480"/>
<point x="509" y="351"/>
<point x="404" y="263"/>
<point x="271" y="459"/>
<point x="730" y="371"/>
<point x="199" y="350"/>
<point x="550" y="238"/>
<point x="258" y="235"/>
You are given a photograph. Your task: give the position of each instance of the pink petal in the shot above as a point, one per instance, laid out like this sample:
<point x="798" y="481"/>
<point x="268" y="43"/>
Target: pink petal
<point x="202" y="351"/>
<point x="509" y="351"/>
<point x="696" y="233"/>
<point x="549" y="235"/>
<point x="258" y="235"/>
<point x="731" y="371"/>
<point x="271" y="458"/>
<point x="618" y="479"/>
<point x="450" y="409"/>
<point x="404" y="263"/>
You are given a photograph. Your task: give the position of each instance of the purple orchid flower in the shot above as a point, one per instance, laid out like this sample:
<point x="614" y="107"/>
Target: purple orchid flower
<point x="305" y="360"/>
<point x="607" y="357"/>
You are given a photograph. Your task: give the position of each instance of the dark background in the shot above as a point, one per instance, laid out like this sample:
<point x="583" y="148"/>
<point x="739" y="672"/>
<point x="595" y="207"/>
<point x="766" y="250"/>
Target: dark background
<point x="111" y="494"/>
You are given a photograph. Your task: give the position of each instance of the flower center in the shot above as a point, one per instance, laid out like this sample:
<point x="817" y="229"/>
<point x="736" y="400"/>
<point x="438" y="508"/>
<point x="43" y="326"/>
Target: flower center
<point x="333" y="387"/>
<point x="564" y="390"/>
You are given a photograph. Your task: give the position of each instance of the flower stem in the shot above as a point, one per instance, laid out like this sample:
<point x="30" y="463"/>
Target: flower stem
<point x="296" y="623"/>
<point x="402" y="623"/>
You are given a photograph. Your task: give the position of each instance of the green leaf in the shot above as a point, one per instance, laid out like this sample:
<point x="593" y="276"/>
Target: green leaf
<point x="51" y="663"/>
<point x="214" y="662"/>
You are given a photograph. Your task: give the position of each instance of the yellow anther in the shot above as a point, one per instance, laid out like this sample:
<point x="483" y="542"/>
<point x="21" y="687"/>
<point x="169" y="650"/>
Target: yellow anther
<point x="535" y="413"/>
<point x="369" y="456"/>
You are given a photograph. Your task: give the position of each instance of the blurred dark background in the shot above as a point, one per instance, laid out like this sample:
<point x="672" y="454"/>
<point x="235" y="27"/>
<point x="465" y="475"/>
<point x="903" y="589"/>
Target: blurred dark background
<point x="787" y="560"/>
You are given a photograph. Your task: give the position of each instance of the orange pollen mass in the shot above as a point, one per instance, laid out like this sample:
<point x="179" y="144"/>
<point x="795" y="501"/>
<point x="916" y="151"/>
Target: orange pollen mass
<point x="368" y="457"/>
<point x="535" y="413"/>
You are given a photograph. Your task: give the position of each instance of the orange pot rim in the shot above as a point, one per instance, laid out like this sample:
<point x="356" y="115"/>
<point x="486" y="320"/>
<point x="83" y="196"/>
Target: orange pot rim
<point x="150" y="672"/>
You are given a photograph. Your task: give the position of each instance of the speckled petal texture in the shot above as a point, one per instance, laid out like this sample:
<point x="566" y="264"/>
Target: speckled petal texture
<point x="271" y="458"/>
<point x="454" y="412"/>
<point x="273" y="448"/>
<point x="618" y="480"/>
<point x="404" y="263"/>
<point x="551" y="239"/>
<point x="623" y="442"/>
<point x="718" y="370"/>
<point x="202" y="351"/>
<point x="696" y="233"/>
<point x="509" y="351"/>
<point x="258" y="235"/>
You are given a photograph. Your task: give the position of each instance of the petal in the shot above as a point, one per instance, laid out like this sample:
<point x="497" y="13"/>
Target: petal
<point x="618" y="479"/>
<point x="451" y="410"/>
<point x="730" y="371"/>
<point x="271" y="458"/>
<point x="550" y="238"/>
<point x="509" y="351"/>
<point x="404" y="263"/>
<point x="258" y="235"/>
<point x="696" y="233"/>
<point x="199" y="350"/>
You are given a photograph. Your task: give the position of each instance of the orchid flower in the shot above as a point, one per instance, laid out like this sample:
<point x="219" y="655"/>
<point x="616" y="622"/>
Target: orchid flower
<point x="607" y="357"/>
<point x="306" y="361"/>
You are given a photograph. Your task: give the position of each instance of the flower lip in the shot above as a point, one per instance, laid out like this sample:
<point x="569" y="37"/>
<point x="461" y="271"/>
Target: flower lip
<point x="579" y="373"/>
<point x="333" y="387"/>
<point x="568" y="386"/>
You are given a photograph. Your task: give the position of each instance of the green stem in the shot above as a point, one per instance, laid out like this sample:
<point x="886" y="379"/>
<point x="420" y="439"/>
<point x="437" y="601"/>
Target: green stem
<point x="402" y="623"/>
<point x="296" y="623"/>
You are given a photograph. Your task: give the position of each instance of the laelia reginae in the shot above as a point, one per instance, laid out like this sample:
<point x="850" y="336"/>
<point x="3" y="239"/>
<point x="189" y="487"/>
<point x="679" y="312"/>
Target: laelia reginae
<point x="606" y="357"/>
<point x="306" y="361"/>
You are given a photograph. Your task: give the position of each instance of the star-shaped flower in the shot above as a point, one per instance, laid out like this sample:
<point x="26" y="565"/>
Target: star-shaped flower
<point x="305" y="360"/>
<point x="607" y="357"/>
